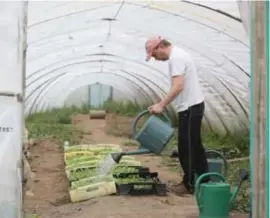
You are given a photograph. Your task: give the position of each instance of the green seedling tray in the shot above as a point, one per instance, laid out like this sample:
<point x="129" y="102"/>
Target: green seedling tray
<point x="91" y="147"/>
<point x="93" y="190"/>
<point x="90" y="171"/>
<point x="91" y="180"/>
<point x="142" y="183"/>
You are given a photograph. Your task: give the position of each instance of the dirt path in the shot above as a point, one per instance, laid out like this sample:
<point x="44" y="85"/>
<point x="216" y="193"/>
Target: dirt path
<point x="51" y="197"/>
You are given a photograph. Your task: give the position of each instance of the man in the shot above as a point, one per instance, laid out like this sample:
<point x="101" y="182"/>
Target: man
<point x="189" y="102"/>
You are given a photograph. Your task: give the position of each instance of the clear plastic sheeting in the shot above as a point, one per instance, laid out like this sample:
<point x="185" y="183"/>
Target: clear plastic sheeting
<point x="74" y="44"/>
<point x="228" y="7"/>
<point x="10" y="158"/>
<point x="11" y="46"/>
<point x="12" y="43"/>
<point x="245" y="13"/>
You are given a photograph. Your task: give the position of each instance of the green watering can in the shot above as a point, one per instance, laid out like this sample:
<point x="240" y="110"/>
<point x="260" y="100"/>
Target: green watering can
<point x="153" y="137"/>
<point x="215" y="199"/>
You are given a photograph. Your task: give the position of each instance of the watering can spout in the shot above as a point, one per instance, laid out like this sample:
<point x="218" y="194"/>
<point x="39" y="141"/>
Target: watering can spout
<point x="117" y="156"/>
<point x="244" y="175"/>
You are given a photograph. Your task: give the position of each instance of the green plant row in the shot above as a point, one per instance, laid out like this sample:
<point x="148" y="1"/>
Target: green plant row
<point x="125" y="108"/>
<point x="234" y="145"/>
<point x="83" y="163"/>
<point x="243" y="199"/>
<point x="57" y="115"/>
<point x="58" y="131"/>
<point x="64" y="114"/>
<point x="231" y="146"/>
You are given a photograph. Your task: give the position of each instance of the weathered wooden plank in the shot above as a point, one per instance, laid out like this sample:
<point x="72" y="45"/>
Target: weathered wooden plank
<point x="259" y="84"/>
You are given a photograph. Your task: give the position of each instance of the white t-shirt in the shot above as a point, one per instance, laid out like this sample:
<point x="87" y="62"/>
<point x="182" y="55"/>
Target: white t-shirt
<point x="181" y="63"/>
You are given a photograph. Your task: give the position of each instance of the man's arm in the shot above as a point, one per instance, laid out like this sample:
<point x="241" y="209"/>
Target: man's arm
<point x="178" y="70"/>
<point x="177" y="87"/>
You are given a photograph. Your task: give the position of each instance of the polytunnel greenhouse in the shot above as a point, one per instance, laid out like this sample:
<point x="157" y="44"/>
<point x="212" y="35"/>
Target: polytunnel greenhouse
<point x="104" y="42"/>
<point x="54" y="52"/>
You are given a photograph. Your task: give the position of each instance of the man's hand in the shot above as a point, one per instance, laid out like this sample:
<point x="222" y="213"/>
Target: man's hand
<point x="156" y="108"/>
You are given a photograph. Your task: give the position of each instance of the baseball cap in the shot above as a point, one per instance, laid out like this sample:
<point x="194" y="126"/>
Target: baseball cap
<point x="150" y="45"/>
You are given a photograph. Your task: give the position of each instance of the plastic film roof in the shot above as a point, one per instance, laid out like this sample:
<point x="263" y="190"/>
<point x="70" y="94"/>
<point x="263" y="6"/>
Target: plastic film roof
<point x="73" y="44"/>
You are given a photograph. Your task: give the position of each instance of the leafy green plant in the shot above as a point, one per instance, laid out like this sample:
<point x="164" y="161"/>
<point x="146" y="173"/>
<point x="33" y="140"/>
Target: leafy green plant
<point x="242" y="203"/>
<point x="91" y="180"/>
<point x="55" y="123"/>
<point x="124" y="108"/>
<point x="231" y="146"/>
<point x="57" y="115"/>
<point x="59" y="131"/>
<point x="130" y="179"/>
<point x="130" y="142"/>
<point x="33" y="216"/>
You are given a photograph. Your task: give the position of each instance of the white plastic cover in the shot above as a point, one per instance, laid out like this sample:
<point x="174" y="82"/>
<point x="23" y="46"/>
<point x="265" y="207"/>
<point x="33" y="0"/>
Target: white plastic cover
<point x="11" y="47"/>
<point x="73" y="44"/>
<point x="10" y="156"/>
<point x="11" y="66"/>
<point x="245" y="13"/>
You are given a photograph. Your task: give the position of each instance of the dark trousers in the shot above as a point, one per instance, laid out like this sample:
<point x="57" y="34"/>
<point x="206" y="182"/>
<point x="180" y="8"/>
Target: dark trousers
<point x="191" y="151"/>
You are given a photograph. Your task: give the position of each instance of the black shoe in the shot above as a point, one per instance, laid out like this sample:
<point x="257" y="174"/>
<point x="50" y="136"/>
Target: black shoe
<point x="180" y="189"/>
<point x="174" y="154"/>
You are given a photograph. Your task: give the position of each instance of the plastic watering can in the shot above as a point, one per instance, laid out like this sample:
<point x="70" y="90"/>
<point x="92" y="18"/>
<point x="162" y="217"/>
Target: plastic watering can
<point x="217" y="163"/>
<point x="215" y="199"/>
<point x="153" y="137"/>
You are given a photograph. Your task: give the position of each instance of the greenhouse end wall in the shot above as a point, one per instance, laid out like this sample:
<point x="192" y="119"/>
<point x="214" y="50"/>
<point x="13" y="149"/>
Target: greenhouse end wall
<point x="12" y="43"/>
<point x="219" y="68"/>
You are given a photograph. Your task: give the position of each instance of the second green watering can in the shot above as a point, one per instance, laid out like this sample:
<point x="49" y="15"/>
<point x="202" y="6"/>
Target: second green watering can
<point x="153" y="136"/>
<point x="215" y="199"/>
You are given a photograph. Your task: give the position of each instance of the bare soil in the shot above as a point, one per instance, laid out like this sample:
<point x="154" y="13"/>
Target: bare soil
<point x="50" y="192"/>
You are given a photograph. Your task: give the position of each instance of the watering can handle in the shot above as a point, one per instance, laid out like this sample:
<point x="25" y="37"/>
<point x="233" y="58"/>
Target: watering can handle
<point x="198" y="182"/>
<point x="140" y="115"/>
<point x="219" y="154"/>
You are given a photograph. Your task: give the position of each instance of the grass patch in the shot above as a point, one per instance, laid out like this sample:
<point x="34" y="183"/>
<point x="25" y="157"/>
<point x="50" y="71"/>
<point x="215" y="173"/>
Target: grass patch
<point x="232" y="146"/>
<point x="131" y="142"/>
<point x="33" y="216"/>
<point x="124" y="108"/>
<point x="119" y="133"/>
<point x="57" y="115"/>
<point x="55" y="123"/>
<point x="58" y="131"/>
<point x="242" y="203"/>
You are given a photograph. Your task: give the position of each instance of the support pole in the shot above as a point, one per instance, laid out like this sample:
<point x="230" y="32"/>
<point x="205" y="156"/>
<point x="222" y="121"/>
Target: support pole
<point x="258" y="110"/>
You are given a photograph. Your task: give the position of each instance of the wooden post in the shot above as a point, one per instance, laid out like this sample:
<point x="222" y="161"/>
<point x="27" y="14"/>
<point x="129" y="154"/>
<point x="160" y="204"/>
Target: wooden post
<point x="258" y="109"/>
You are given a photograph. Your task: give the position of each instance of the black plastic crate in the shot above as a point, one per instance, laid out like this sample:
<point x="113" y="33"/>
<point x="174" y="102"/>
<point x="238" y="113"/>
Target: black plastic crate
<point x="141" y="188"/>
<point x="143" y="173"/>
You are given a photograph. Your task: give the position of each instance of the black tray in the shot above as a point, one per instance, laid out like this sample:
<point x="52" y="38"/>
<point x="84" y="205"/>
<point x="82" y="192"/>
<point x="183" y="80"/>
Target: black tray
<point x="142" y="173"/>
<point x="151" y="188"/>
